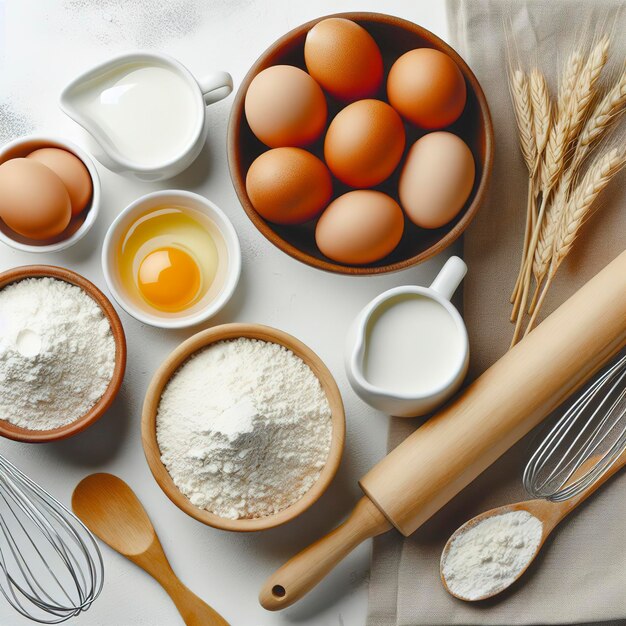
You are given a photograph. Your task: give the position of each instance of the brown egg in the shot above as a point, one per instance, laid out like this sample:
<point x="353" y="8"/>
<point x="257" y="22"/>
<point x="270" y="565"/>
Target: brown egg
<point x="33" y="199"/>
<point x="427" y="87"/>
<point x="360" y="227"/>
<point x="288" y="185"/>
<point x="436" y="179"/>
<point x="285" y="107"/>
<point x="72" y="171"/>
<point x="364" y="143"/>
<point x="344" y="59"/>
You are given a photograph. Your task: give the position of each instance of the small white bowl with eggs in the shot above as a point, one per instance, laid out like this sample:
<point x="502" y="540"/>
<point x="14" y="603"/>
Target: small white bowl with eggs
<point x="171" y="259"/>
<point x="78" y="225"/>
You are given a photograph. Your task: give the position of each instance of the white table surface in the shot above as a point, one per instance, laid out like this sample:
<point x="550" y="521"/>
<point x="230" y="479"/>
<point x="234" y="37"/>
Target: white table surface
<point x="44" y="44"/>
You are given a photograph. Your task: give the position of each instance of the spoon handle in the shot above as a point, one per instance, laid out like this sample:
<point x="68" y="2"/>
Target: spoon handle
<point x="193" y="610"/>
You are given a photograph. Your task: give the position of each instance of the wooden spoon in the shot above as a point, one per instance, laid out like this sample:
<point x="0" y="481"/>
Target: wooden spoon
<point x="549" y="513"/>
<point x="112" y="511"/>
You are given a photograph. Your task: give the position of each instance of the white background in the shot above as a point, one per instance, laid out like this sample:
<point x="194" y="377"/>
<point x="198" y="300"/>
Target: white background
<point x="43" y="45"/>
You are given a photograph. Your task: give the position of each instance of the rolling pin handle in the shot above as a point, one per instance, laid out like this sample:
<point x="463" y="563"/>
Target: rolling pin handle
<point x="301" y="573"/>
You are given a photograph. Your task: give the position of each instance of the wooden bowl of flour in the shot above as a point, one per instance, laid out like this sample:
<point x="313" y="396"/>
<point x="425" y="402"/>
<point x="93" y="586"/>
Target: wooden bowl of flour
<point x="170" y="366"/>
<point x="11" y="431"/>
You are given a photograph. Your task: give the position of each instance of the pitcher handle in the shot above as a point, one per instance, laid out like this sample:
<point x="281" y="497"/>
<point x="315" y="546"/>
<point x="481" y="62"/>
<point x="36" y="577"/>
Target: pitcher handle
<point x="449" y="277"/>
<point x="215" y="86"/>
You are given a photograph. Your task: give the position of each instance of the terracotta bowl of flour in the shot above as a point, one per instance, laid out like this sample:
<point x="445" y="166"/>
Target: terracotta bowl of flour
<point x="153" y="398"/>
<point x="11" y="431"/>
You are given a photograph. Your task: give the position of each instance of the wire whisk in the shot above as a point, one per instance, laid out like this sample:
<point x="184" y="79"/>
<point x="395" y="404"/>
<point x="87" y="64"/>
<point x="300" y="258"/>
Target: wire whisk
<point x="584" y="442"/>
<point x="51" y="568"/>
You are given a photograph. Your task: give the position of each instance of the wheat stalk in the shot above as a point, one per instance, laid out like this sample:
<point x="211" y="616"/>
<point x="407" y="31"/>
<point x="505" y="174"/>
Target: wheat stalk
<point x="582" y="96"/>
<point x="600" y="173"/>
<point x="575" y="96"/>
<point x="520" y="94"/>
<point x="577" y="211"/>
<point x="551" y="168"/>
<point x="572" y="112"/>
<point x="522" y="296"/>
<point x="604" y="116"/>
<point x="556" y="140"/>
<point x="569" y="79"/>
<point x="542" y="112"/>
<point x="543" y="252"/>
<point x="531" y="218"/>
<point x="548" y="169"/>
<point x="541" y="120"/>
<point x="601" y="120"/>
<point x="519" y="85"/>
<point x="547" y="235"/>
<point x="554" y="156"/>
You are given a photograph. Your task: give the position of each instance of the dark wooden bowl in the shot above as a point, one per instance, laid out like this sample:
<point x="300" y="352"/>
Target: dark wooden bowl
<point x="10" y="431"/>
<point x="394" y="36"/>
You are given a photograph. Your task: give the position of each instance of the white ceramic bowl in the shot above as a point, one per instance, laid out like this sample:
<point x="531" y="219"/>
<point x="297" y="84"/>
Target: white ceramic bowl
<point x="173" y="198"/>
<point x="25" y="145"/>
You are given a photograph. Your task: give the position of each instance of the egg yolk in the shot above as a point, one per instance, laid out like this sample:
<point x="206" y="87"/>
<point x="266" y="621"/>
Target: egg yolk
<point x="169" y="279"/>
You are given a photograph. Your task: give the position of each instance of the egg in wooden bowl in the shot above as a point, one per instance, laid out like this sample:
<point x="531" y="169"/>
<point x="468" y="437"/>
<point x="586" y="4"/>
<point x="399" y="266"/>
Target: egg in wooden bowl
<point x="380" y="98"/>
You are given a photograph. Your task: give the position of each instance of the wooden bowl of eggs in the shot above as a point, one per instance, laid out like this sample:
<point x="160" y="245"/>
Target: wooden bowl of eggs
<point x="360" y="143"/>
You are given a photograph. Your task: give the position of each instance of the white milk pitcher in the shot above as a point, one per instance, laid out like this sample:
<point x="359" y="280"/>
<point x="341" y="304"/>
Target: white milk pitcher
<point x="145" y="113"/>
<point x="407" y="351"/>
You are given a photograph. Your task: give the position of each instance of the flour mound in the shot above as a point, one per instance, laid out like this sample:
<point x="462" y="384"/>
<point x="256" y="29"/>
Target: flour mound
<point x="57" y="353"/>
<point x="244" y="428"/>
<point x="488" y="557"/>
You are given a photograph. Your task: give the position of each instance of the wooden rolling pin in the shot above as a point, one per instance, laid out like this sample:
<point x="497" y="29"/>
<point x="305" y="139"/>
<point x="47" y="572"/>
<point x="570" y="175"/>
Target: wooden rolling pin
<point x="448" y="452"/>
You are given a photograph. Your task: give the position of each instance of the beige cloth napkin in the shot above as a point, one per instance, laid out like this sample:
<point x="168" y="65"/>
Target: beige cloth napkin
<point x="580" y="576"/>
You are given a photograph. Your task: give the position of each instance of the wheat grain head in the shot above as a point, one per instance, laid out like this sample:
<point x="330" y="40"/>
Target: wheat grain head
<point x="582" y="199"/>
<point x="583" y="95"/>
<point x="554" y="155"/>
<point x="606" y="113"/>
<point x="542" y="111"/>
<point x="569" y="79"/>
<point x="520" y="94"/>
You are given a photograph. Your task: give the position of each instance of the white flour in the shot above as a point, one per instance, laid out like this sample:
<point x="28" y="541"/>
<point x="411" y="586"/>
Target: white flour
<point x="57" y="353"/>
<point x="488" y="556"/>
<point x="13" y="122"/>
<point x="244" y="428"/>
